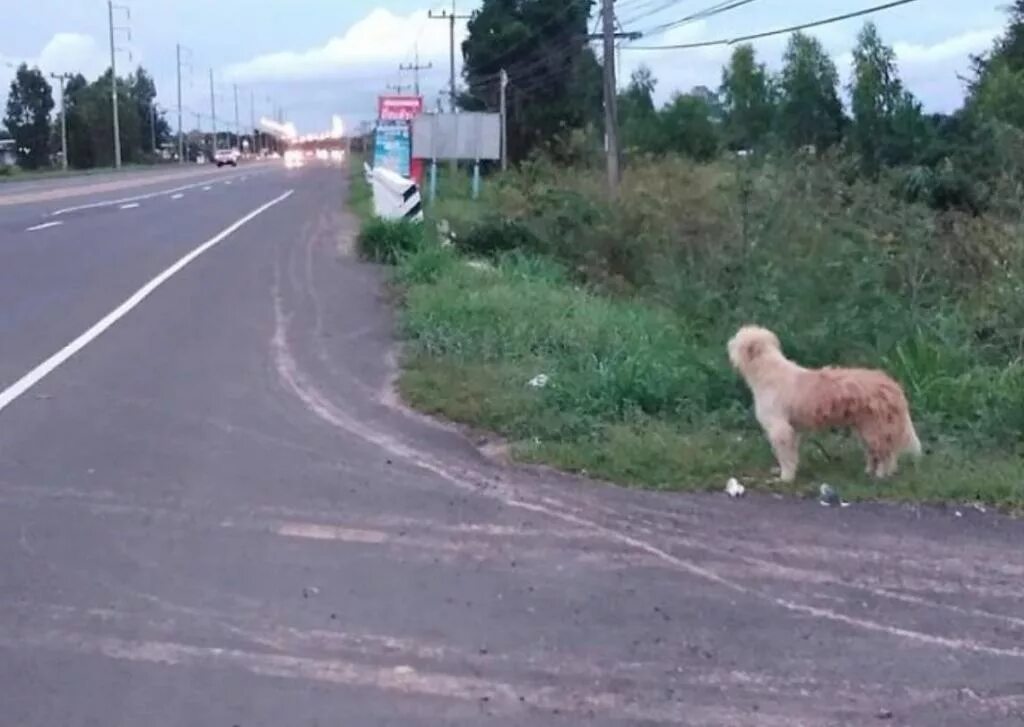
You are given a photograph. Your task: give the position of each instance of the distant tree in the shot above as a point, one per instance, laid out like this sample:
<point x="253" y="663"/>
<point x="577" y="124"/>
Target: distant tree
<point x="748" y="102"/>
<point x="637" y="114"/>
<point x="997" y="89"/>
<point x="810" y="112"/>
<point x="688" y="127"/>
<point x="887" y="121"/>
<point x="555" y="80"/>
<point x="29" y="104"/>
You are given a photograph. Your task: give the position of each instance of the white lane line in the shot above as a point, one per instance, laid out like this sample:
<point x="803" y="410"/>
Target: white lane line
<point x="43" y="226"/>
<point x="123" y="200"/>
<point x="33" y="377"/>
<point x="129" y="206"/>
<point x="227" y="181"/>
<point x="179" y="195"/>
<point x="207" y="189"/>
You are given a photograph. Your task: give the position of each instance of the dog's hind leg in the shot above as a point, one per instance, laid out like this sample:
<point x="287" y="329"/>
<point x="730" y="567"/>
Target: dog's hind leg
<point x="786" y="445"/>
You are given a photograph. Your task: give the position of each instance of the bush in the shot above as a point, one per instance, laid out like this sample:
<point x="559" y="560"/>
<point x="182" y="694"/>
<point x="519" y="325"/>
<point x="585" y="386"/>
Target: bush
<point x="386" y="241"/>
<point x="496" y="234"/>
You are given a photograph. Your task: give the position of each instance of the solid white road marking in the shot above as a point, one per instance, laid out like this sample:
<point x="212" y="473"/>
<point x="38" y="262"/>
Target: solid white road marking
<point x="33" y="377"/>
<point x="179" y="195"/>
<point x="130" y="206"/>
<point x="43" y="226"/>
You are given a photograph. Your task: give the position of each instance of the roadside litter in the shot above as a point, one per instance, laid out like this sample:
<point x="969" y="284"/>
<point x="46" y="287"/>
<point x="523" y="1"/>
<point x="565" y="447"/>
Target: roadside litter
<point x="829" y="496"/>
<point x="539" y="381"/>
<point x="734" y="489"/>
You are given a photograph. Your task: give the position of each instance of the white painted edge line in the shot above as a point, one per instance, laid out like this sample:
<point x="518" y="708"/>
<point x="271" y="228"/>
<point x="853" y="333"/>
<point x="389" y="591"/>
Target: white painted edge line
<point x="43" y="226"/>
<point x="129" y="206"/>
<point x="179" y="195"/>
<point x="123" y="200"/>
<point x="26" y="382"/>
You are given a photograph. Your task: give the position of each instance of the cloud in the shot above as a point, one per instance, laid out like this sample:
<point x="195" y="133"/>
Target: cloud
<point x="378" y="42"/>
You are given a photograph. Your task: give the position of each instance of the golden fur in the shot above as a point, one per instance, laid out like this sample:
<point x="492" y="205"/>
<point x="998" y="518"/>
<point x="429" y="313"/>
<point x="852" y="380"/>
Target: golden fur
<point x="789" y="398"/>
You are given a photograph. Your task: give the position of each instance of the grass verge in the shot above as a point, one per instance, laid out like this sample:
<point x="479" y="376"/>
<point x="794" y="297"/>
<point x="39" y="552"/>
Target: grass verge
<point x="620" y="403"/>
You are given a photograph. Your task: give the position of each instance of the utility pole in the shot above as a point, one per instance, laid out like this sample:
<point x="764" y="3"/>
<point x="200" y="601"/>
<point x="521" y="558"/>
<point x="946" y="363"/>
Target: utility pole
<point x="61" y="77"/>
<point x="415" y="68"/>
<point x="213" y="113"/>
<point x="252" y="120"/>
<point x="611" y="112"/>
<point x="504" y="120"/>
<point x="451" y="18"/>
<point x="113" y="74"/>
<point x="181" y="130"/>
<point x="152" y="127"/>
<point x="238" y="127"/>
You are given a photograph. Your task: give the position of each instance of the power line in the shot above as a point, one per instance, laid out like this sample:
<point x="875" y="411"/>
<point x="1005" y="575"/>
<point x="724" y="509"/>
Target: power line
<point x="707" y="12"/>
<point x="779" y="31"/>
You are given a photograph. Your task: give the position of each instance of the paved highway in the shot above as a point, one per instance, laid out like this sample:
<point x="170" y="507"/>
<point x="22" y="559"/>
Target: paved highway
<point x="213" y="511"/>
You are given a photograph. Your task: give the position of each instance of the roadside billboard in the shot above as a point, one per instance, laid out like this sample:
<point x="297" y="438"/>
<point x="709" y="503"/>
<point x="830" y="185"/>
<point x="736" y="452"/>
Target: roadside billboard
<point x="392" y="112"/>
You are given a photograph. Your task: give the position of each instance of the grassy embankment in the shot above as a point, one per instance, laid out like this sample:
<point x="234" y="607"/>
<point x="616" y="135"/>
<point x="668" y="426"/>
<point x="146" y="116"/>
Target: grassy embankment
<point x="627" y="307"/>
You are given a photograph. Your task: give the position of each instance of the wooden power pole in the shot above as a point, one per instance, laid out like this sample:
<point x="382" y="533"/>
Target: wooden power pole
<point x="611" y="111"/>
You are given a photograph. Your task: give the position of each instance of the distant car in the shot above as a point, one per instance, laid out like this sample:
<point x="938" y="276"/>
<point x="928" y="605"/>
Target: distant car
<point x="226" y="156"/>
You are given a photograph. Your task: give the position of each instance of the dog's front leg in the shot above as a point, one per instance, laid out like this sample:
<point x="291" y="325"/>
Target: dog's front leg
<point x="786" y="445"/>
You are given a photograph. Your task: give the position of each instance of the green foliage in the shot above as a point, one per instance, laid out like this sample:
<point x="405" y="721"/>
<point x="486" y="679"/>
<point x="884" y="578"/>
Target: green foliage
<point x="639" y="389"/>
<point x="386" y="241"/>
<point x="886" y="119"/>
<point x="29" y="103"/>
<point x="810" y="112"/>
<point x="496" y="234"/>
<point x="687" y="128"/>
<point x="748" y="97"/>
<point x="531" y="40"/>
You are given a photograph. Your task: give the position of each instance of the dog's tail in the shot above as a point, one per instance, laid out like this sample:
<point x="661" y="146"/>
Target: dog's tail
<point x="913" y="444"/>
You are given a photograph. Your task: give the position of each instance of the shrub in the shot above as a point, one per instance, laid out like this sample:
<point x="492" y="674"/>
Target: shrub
<point x="386" y="241"/>
<point x="496" y="234"/>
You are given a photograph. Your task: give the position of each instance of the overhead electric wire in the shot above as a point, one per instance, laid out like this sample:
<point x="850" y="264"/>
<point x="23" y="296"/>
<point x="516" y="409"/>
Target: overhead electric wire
<point x="778" y="31"/>
<point x="709" y="12"/>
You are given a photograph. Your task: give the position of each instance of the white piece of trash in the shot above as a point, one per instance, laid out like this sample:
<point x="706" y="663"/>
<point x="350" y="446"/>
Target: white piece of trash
<point x="734" y="489"/>
<point x="539" y="381"/>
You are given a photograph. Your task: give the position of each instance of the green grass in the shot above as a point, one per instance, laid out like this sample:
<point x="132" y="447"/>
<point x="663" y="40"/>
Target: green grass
<point x="626" y="307"/>
<point x="633" y="397"/>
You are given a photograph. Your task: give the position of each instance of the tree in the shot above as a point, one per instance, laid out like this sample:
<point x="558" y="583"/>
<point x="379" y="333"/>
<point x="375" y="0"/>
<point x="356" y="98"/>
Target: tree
<point x="555" y="80"/>
<point x="886" y="118"/>
<point x="997" y="90"/>
<point x="748" y="100"/>
<point x="687" y="127"/>
<point x="29" y="104"/>
<point x="810" y="112"/>
<point x="637" y="115"/>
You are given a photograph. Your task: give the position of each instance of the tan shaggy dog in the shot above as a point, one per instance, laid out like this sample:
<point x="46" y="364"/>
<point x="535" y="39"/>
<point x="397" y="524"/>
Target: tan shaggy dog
<point x="789" y="398"/>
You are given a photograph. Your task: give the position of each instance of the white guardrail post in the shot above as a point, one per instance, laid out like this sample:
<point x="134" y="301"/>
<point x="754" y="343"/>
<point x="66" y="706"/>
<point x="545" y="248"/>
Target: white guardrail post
<point x="394" y="196"/>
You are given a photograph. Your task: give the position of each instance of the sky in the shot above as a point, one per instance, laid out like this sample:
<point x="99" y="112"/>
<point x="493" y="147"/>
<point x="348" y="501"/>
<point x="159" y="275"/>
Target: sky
<point x="317" y="58"/>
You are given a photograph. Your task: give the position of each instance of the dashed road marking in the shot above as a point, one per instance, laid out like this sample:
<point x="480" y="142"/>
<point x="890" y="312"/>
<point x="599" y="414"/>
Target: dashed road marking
<point x="129" y="206"/>
<point x="179" y="195"/>
<point x="43" y="226"/>
<point x="33" y="377"/>
<point x="207" y="189"/>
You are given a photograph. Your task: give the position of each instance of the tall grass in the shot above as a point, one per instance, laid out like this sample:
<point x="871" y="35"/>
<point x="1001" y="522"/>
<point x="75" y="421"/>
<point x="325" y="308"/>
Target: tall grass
<point x="626" y="307"/>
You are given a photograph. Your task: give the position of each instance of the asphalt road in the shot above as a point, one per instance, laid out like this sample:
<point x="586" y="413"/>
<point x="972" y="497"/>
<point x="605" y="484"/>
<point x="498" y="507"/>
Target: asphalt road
<point x="213" y="511"/>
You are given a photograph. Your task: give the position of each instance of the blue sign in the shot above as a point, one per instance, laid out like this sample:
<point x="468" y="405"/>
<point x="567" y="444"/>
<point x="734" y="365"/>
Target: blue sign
<point x="393" y="147"/>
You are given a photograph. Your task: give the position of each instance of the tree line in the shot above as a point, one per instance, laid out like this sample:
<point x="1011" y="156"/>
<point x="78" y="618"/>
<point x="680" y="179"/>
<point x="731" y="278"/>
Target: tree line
<point x="36" y="130"/>
<point x="555" y="95"/>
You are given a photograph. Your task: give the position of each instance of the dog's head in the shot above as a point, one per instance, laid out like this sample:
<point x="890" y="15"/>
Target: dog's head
<point x="749" y="345"/>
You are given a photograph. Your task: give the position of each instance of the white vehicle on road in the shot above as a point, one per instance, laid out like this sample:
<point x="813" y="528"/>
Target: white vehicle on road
<point x="226" y="156"/>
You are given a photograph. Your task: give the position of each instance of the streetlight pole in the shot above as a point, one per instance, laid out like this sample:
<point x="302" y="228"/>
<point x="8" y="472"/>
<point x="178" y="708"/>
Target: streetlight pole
<point x="61" y="77"/>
